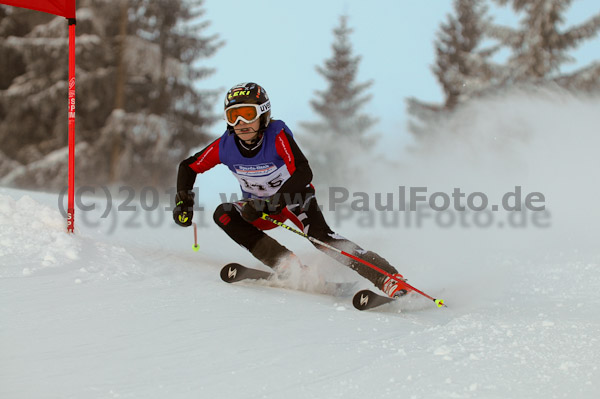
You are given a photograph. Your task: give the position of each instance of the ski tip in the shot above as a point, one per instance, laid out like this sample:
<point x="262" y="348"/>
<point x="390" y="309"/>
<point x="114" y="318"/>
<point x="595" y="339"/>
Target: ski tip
<point x="229" y="272"/>
<point x="367" y="299"/>
<point x="361" y="299"/>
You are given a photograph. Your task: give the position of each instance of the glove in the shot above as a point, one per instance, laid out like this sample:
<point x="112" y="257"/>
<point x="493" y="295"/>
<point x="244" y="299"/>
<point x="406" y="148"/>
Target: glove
<point x="253" y="209"/>
<point x="184" y="208"/>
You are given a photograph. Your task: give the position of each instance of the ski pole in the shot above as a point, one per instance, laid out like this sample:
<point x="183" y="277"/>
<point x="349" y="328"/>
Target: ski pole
<point x="438" y="302"/>
<point x="196" y="247"/>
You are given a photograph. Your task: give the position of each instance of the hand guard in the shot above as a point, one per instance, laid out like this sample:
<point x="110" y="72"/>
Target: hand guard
<point x="254" y="208"/>
<point x="184" y="208"/>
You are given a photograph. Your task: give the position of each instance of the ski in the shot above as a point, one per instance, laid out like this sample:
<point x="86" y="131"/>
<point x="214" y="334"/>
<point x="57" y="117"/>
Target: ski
<point x="234" y="272"/>
<point x="362" y="300"/>
<point x="367" y="299"/>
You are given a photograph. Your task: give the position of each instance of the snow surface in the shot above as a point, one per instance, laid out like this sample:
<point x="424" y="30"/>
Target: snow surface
<point x="125" y="309"/>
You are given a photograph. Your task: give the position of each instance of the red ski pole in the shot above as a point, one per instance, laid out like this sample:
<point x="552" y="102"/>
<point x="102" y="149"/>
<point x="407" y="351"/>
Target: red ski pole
<point x="438" y="302"/>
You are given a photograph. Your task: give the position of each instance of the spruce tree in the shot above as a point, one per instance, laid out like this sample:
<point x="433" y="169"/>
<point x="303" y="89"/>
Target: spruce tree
<point x="343" y="131"/>
<point x="139" y="110"/>
<point x="540" y="45"/>
<point x="181" y="42"/>
<point x="172" y="42"/>
<point x="463" y="68"/>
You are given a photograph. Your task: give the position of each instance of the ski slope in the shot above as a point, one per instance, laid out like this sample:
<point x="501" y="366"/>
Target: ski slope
<point x="128" y="310"/>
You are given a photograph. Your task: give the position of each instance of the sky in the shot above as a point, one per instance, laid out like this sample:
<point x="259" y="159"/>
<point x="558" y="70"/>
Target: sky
<point x="278" y="44"/>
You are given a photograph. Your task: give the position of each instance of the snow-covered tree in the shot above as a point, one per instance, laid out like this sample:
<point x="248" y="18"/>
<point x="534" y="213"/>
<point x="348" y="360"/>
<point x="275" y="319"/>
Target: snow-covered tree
<point x="140" y="57"/>
<point x="539" y="48"/>
<point x="463" y="68"/>
<point x="343" y="131"/>
<point x="171" y="43"/>
<point x="540" y="45"/>
<point x="181" y="42"/>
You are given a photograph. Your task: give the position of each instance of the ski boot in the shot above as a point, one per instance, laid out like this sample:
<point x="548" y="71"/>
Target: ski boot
<point x="394" y="288"/>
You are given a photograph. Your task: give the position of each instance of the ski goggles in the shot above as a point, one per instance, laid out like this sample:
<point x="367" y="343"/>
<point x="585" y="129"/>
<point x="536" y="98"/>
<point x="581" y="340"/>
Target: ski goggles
<point x="245" y="112"/>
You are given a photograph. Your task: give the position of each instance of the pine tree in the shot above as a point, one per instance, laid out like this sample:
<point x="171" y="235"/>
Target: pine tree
<point x="343" y="131"/>
<point x="172" y="42"/>
<point x="181" y="43"/>
<point x="540" y="46"/>
<point x="462" y="67"/>
<point x="539" y="50"/>
<point x="138" y="109"/>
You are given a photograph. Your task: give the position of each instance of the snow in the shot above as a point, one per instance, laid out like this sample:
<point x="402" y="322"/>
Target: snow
<point x="125" y="308"/>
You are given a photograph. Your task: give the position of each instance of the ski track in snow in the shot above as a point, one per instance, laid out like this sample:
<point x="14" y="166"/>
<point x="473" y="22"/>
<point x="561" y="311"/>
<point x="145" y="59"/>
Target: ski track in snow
<point x="137" y="314"/>
<point x="95" y="317"/>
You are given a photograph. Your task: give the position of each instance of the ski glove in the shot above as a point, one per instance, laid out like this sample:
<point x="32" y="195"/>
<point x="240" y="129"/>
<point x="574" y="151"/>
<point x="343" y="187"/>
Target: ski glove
<point x="184" y="208"/>
<point x="254" y="208"/>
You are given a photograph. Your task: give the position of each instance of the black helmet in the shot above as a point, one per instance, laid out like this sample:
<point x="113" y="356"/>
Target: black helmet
<point x="249" y="94"/>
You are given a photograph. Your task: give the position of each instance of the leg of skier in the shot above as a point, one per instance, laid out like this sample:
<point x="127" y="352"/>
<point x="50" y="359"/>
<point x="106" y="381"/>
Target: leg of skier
<point x="264" y="248"/>
<point x="316" y="226"/>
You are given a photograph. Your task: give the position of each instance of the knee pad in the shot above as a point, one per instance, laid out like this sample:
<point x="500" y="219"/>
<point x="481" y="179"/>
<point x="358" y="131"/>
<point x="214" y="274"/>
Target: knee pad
<point x="223" y="213"/>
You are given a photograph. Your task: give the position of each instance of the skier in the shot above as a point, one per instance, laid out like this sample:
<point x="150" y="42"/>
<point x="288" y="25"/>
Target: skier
<point x="275" y="178"/>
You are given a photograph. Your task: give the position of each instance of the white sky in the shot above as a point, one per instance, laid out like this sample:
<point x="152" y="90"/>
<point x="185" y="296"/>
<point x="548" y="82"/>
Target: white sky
<point x="278" y="44"/>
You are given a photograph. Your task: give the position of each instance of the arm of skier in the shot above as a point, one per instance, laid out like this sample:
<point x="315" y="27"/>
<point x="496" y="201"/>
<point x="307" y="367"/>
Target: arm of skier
<point x="186" y="177"/>
<point x="300" y="172"/>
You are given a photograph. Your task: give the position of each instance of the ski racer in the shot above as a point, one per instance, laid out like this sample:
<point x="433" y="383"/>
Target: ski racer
<point x="275" y="178"/>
